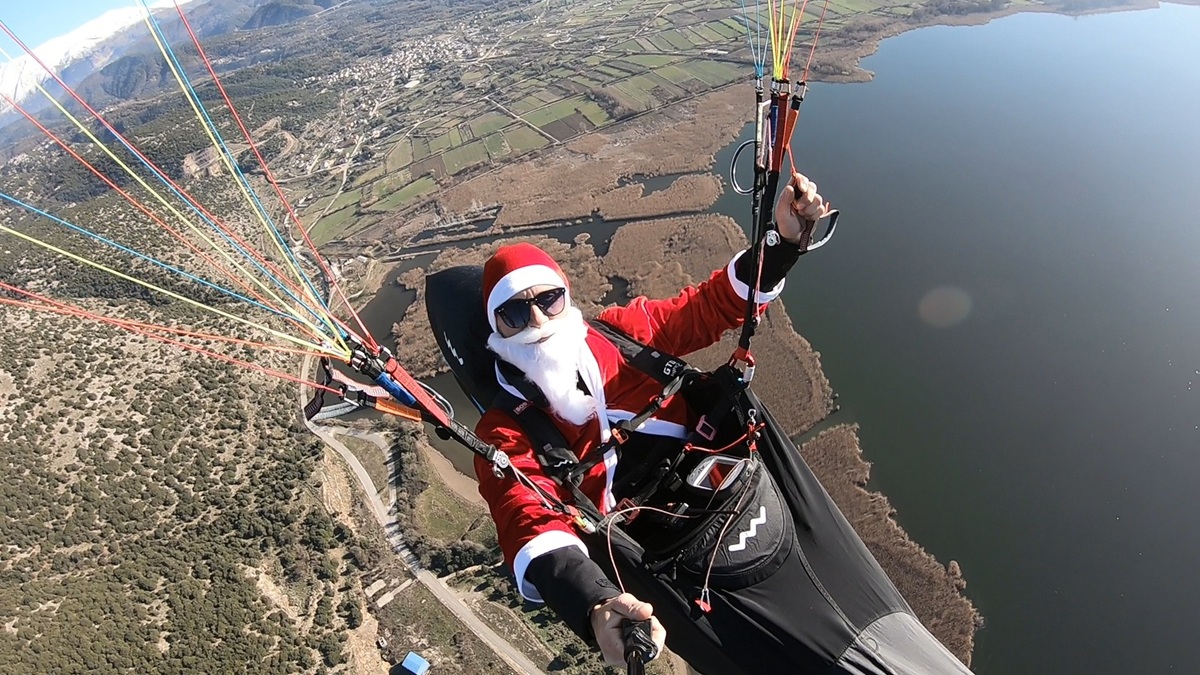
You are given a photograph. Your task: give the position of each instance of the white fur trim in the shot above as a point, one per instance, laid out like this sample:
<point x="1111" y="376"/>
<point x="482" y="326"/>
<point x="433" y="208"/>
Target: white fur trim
<point x="652" y="426"/>
<point x="548" y="541"/>
<point x="589" y="370"/>
<point x="518" y="280"/>
<point x="743" y="290"/>
<point x="504" y="384"/>
<point x="608" y="501"/>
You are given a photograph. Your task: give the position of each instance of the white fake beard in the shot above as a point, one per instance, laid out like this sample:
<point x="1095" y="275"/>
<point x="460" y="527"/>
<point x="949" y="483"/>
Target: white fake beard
<point x="552" y="365"/>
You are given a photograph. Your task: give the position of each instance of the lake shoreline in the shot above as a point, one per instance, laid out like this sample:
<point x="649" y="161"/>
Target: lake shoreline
<point x="850" y="59"/>
<point x="570" y="181"/>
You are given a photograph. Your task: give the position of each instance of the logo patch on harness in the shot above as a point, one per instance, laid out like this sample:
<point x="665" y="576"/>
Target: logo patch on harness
<point x="671" y="368"/>
<point x="750" y="533"/>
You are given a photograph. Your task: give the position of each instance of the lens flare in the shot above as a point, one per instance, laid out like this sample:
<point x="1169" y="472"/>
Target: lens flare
<point x="945" y="306"/>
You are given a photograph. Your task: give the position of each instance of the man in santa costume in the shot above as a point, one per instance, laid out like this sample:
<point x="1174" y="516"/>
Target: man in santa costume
<point x="587" y="386"/>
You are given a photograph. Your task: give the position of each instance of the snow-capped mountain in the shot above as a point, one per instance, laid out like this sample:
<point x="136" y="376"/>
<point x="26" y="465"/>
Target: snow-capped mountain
<point x="20" y="76"/>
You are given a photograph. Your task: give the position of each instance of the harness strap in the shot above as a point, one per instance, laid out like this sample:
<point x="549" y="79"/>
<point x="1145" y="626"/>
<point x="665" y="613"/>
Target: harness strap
<point x="550" y="446"/>
<point x="656" y="364"/>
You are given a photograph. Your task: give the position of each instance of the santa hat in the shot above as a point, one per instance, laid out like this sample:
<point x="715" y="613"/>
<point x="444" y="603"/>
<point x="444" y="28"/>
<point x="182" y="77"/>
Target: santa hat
<point x="514" y="268"/>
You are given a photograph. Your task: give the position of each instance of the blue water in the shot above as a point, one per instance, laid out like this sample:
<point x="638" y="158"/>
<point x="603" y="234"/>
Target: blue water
<point x="1040" y="424"/>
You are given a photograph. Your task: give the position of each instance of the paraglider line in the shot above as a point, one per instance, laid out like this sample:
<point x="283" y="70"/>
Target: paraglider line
<point x="226" y="155"/>
<point x="158" y="173"/>
<point x="139" y="326"/>
<point x="164" y="291"/>
<point x="271" y="177"/>
<point x="137" y="254"/>
<point x="150" y="214"/>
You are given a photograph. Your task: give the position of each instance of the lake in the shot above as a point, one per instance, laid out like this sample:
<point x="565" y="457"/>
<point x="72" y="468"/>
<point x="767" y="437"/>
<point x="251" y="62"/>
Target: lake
<point x="1011" y="312"/>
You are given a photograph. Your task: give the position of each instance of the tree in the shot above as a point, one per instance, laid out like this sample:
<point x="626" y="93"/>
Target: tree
<point x="350" y="612"/>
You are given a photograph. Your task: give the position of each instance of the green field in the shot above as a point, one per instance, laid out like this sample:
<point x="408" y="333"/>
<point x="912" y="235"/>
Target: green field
<point x="610" y="72"/>
<point x="678" y="40"/>
<point x="679" y="76"/>
<point x="345" y="199"/>
<point x="523" y="139"/>
<point x="555" y="111"/>
<point x="526" y="104"/>
<point x="729" y="29"/>
<point x="440" y="144"/>
<point x="393" y="182"/>
<point x="420" y="149"/>
<point x="594" y="113"/>
<point x="464" y="156"/>
<point x="585" y="81"/>
<point x="637" y="89"/>
<point x="489" y="122"/>
<point x="370" y="176"/>
<point x="713" y="73"/>
<point x="421" y="186"/>
<point x="496" y="146"/>
<point x="561" y="87"/>
<point x="400" y="155"/>
<point x="651" y="60"/>
<point x="332" y="225"/>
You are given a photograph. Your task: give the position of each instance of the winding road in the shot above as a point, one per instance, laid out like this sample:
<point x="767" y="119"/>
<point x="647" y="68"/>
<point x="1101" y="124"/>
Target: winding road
<point x="511" y="655"/>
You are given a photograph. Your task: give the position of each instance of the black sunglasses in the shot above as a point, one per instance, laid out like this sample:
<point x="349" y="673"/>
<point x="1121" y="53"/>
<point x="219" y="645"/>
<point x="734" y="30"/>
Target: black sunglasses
<point x="517" y="313"/>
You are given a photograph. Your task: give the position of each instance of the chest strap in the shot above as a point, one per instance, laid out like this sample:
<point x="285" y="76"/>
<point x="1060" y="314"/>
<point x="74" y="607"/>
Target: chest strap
<point x="551" y="448"/>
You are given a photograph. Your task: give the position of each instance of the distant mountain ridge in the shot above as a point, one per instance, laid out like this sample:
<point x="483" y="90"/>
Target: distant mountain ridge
<point x="280" y="12"/>
<point x="113" y="58"/>
<point x="74" y="55"/>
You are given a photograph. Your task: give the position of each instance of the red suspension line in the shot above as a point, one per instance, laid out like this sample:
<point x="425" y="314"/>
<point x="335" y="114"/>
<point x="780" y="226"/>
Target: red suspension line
<point x="281" y="277"/>
<point x="145" y="210"/>
<point x="797" y="17"/>
<point x="80" y="313"/>
<point x="271" y="179"/>
<point x="816" y="36"/>
<point x="138" y="326"/>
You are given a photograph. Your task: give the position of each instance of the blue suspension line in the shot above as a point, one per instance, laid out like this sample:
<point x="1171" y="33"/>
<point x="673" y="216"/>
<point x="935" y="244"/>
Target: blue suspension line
<point x="237" y="247"/>
<point x="755" y="41"/>
<point x="143" y="256"/>
<point x="191" y="92"/>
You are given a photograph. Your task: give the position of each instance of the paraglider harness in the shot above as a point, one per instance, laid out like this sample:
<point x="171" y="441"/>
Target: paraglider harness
<point x="672" y="474"/>
<point x="712" y="467"/>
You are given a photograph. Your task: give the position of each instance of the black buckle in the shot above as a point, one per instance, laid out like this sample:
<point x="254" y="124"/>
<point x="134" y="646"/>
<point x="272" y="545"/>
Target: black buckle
<point x="619" y="434"/>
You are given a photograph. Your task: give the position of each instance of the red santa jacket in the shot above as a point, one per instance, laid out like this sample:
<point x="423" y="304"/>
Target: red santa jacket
<point x="694" y="319"/>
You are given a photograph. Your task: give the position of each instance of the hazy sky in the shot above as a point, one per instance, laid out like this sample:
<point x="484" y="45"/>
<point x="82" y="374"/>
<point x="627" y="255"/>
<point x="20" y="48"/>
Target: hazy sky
<point x="35" y="21"/>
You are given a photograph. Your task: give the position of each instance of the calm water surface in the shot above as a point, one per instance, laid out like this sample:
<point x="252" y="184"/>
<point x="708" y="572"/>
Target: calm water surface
<point x="1011" y="312"/>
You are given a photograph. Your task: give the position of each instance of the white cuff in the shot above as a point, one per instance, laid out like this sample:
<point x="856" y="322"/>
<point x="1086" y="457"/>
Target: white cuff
<point x="743" y="290"/>
<point x="542" y="544"/>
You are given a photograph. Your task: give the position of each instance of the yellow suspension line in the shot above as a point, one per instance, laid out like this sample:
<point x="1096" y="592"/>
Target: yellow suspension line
<point x="322" y="348"/>
<point x="225" y="158"/>
<point x="773" y="30"/>
<point x="284" y="306"/>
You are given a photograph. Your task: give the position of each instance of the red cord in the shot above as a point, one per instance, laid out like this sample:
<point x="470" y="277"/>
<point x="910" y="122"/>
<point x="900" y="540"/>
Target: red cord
<point x="750" y="431"/>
